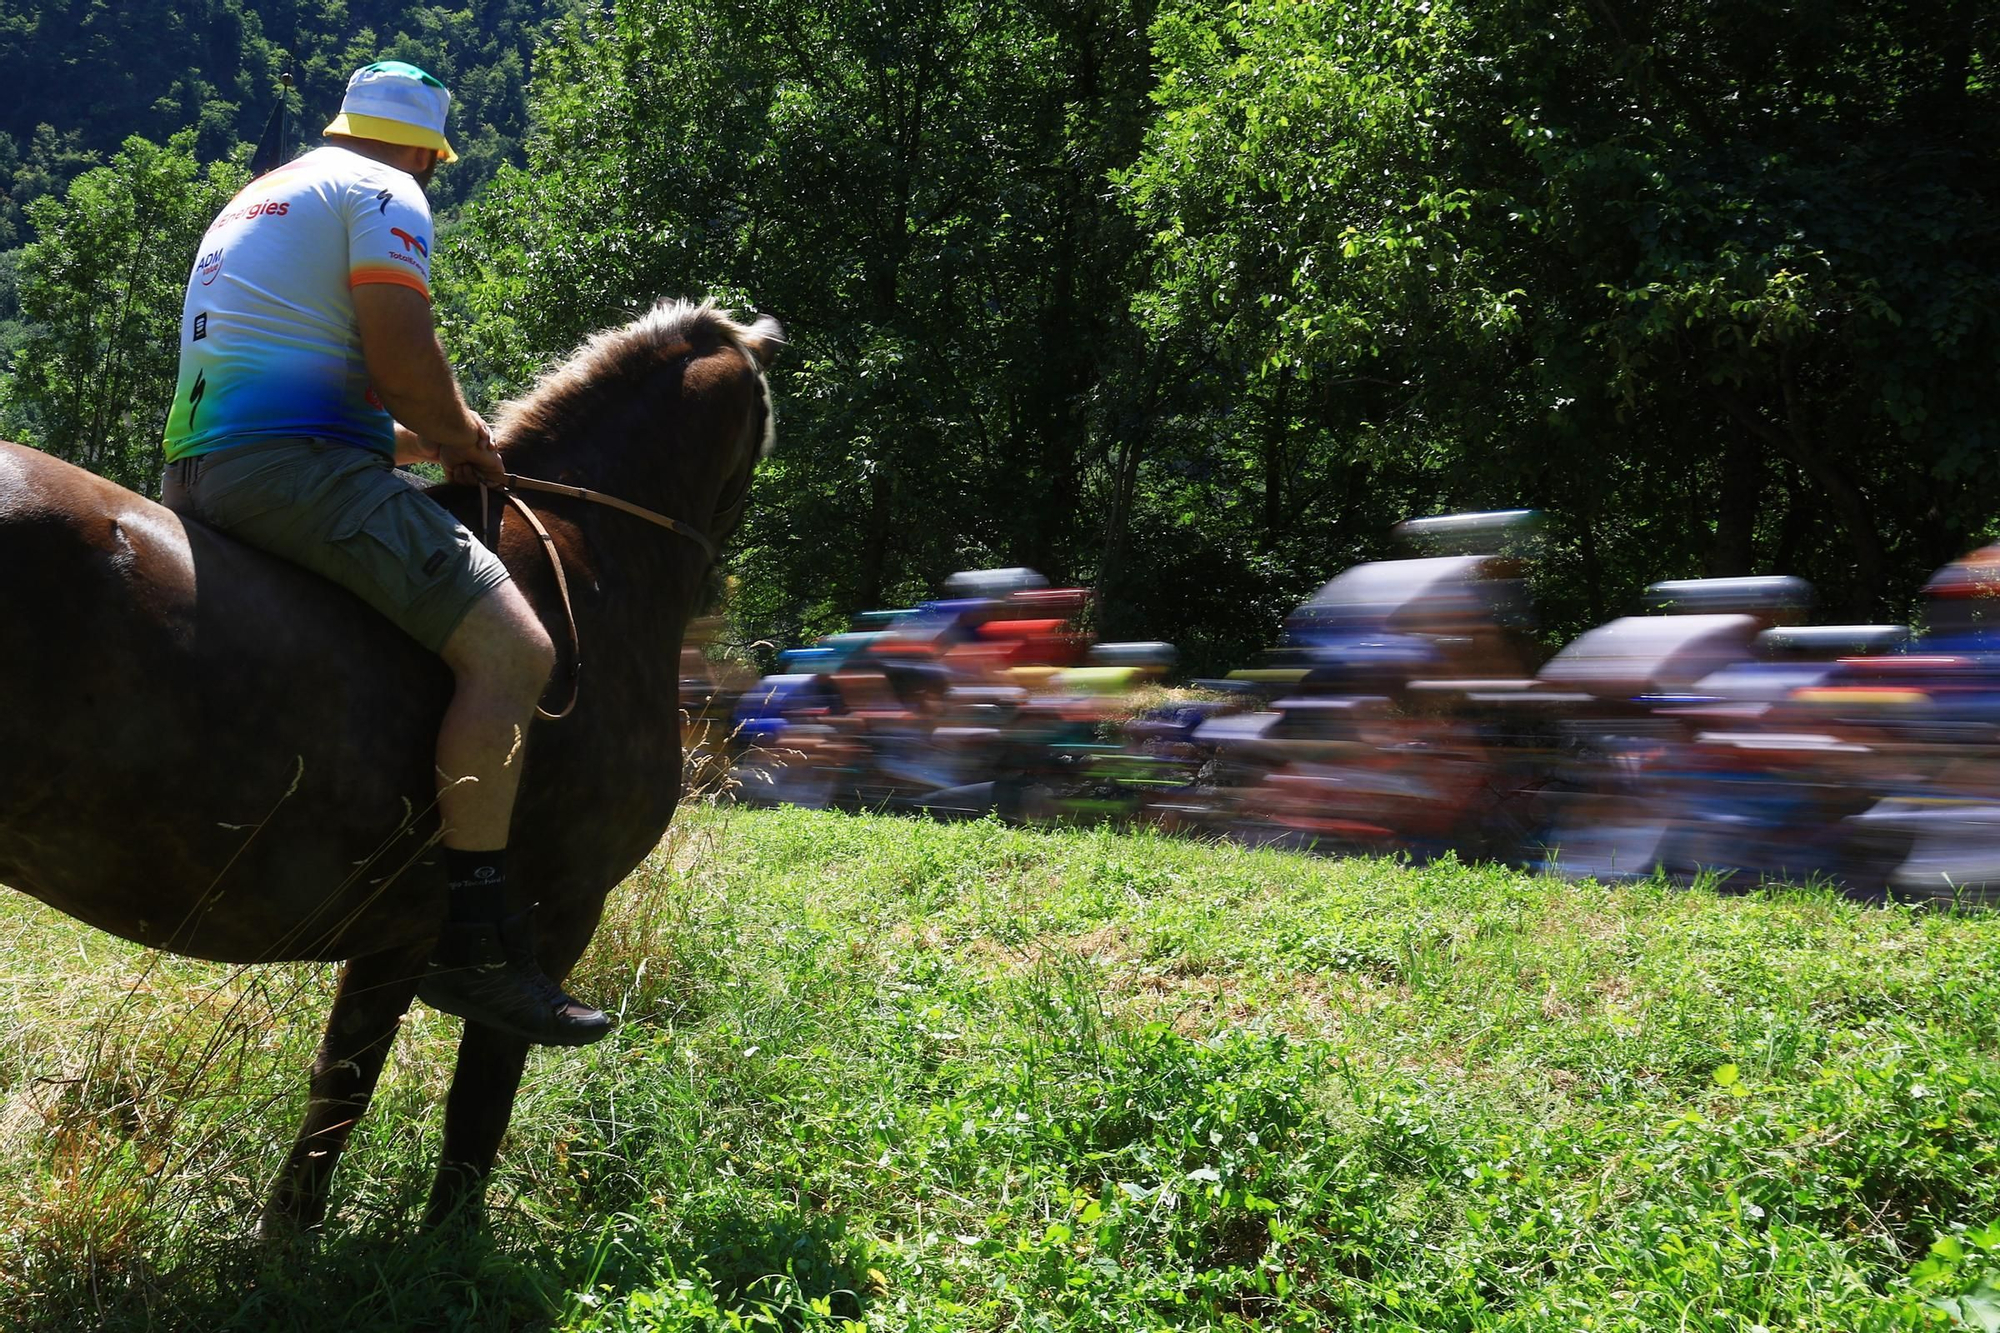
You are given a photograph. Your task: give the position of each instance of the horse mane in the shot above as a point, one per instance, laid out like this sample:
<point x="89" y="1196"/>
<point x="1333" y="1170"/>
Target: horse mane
<point x="566" y="393"/>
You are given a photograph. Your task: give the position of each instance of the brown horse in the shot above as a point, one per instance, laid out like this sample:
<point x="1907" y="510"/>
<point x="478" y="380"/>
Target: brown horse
<point x="208" y="751"/>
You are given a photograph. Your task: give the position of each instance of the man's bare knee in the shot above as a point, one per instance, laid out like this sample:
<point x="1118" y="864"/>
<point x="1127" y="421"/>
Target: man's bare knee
<point x="501" y="645"/>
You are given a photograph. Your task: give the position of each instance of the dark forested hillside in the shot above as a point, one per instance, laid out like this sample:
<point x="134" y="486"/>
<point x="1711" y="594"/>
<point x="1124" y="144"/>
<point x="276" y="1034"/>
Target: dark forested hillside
<point x="78" y="76"/>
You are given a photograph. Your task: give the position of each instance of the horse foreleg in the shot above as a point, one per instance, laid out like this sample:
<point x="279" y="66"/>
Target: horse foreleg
<point x="374" y="993"/>
<point x="483" y="1084"/>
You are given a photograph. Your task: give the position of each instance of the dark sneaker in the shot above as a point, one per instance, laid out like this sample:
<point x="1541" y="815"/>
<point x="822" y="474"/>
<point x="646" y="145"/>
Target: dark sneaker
<point x="487" y="974"/>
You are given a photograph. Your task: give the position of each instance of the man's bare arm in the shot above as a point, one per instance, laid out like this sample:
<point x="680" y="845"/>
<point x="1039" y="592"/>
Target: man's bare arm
<point x="413" y="448"/>
<point x="410" y="375"/>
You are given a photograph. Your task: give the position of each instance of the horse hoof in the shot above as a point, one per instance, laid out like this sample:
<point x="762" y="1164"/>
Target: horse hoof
<point x="279" y="1233"/>
<point x="455" y="1219"/>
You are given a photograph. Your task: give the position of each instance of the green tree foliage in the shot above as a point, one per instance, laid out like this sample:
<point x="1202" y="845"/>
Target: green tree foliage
<point x="1193" y="301"/>
<point x="1719" y="286"/>
<point x="1198" y="315"/>
<point x="94" y="374"/>
<point x="918" y="189"/>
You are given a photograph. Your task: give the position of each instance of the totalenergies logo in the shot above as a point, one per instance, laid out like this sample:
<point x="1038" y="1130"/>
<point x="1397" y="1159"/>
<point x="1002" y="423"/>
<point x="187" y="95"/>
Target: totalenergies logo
<point x="209" y="267"/>
<point x="263" y="208"/>
<point x="410" y="242"/>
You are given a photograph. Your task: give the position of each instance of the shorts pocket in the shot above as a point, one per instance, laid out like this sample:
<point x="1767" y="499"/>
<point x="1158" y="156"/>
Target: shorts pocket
<point x="401" y="542"/>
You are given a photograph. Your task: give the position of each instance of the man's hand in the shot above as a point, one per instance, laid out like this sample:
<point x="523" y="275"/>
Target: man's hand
<point x="467" y="464"/>
<point x="471" y="464"/>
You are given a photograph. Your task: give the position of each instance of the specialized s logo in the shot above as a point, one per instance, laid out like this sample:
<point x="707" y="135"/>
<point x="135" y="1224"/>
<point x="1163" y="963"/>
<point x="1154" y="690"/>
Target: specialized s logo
<point x="209" y="267"/>
<point x="410" y="242"/>
<point x="383" y="200"/>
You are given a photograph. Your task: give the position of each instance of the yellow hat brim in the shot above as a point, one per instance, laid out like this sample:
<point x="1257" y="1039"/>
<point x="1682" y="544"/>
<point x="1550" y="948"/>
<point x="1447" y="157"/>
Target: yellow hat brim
<point x="390" y="131"/>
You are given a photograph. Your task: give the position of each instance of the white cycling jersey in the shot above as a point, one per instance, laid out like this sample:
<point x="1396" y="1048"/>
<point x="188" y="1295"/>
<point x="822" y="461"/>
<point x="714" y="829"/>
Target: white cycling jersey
<point x="269" y="344"/>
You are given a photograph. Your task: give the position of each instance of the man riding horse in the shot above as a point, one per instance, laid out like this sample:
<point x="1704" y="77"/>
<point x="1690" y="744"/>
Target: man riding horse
<point x="309" y="368"/>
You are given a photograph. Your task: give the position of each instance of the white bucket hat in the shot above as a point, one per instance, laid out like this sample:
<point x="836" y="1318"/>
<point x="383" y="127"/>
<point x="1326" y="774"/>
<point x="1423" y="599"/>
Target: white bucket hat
<point x="395" y="102"/>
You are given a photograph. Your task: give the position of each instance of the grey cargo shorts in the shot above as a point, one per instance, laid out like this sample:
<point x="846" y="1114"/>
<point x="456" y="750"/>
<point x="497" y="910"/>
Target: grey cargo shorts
<point x="348" y="515"/>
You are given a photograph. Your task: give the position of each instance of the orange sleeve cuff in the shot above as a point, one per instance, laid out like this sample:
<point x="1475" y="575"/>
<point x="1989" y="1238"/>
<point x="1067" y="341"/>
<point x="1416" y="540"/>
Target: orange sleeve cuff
<point x="395" y="277"/>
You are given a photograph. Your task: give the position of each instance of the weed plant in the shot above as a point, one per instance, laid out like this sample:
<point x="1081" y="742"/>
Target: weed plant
<point x="896" y="1075"/>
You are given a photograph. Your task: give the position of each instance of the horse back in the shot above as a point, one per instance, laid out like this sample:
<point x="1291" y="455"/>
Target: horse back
<point x="203" y="748"/>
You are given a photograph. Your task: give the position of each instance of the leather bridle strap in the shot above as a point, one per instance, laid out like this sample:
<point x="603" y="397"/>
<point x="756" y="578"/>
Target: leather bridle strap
<point x="490" y="526"/>
<point x="694" y="535"/>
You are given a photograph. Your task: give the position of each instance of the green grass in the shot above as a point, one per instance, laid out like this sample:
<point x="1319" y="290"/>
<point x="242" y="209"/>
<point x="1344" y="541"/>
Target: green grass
<point x="959" y="1077"/>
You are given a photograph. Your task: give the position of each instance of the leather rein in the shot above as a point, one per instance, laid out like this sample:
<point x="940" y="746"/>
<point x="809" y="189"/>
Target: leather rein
<point x="489" y="532"/>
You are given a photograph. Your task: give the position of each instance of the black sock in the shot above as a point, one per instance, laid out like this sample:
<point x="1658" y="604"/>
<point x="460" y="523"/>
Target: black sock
<point x="478" y="884"/>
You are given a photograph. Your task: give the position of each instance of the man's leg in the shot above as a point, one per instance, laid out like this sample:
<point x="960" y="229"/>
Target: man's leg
<point x="501" y="657"/>
<point x="484" y="969"/>
<point x="344" y="514"/>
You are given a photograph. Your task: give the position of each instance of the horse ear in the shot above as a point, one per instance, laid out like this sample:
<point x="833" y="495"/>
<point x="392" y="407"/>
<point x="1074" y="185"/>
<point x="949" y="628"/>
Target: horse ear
<point x="764" y="338"/>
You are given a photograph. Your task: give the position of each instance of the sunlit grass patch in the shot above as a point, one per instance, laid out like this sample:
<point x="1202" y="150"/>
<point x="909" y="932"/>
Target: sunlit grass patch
<point x="964" y="1077"/>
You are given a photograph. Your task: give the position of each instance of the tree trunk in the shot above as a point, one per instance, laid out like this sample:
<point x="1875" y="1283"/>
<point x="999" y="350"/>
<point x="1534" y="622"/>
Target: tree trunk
<point x="1593" y="570"/>
<point x="875" y="541"/>
<point x="1792" y="532"/>
<point x="1844" y="496"/>
<point x="1276" y="428"/>
<point x="1117" y="531"/>
<point x="1733" y="552"/>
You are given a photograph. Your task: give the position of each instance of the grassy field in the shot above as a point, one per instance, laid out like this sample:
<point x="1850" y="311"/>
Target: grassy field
<point x="958" y="1077"/>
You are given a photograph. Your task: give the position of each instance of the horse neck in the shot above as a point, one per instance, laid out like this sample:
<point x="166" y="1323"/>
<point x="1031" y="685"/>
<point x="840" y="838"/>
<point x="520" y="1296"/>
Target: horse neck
<point x="648" y="576"/>
<point x="603" y="452"/>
